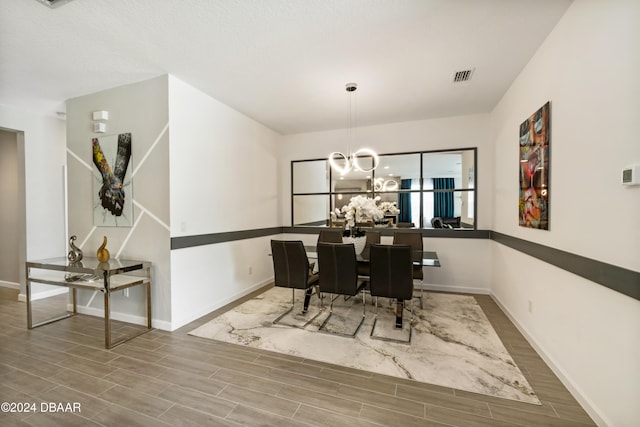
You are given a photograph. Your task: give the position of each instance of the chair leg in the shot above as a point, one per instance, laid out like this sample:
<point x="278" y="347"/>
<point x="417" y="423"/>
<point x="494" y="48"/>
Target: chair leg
<point x="321" y="328"/>
<point x="330" y="312"/>
<point x="275" y="322"/>
<point x="308" y="293"/>
<point x="421" y="297"/>
<point x="399" y="309"/>
<point x="375" y="315"/>
<point x="411" y="317"/>
<point x="307" y="298"/>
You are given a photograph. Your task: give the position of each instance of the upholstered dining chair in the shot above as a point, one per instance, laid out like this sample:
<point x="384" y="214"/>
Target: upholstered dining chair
<point x="373" y="237"/>
<point x="392" y="277"/>
<point x="365" y="224"/>
<point x="405" y="225"/>
<point x="412" y="238"/>
<point x="291" y="270"/>
<point x="339" y="276"/>
<point x="330" y="236"/>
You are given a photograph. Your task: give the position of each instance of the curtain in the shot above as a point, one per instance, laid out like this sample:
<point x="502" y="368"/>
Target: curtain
<point x="443" y="200"/>
<point x="404" y="201"/>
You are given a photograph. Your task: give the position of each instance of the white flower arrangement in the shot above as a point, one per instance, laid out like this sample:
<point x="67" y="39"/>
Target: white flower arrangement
<point x="389" y="207"/>
<point x="361" y="209"/>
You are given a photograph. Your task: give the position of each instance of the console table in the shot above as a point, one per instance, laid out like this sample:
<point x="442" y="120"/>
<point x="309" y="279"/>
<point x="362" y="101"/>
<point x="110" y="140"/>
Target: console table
<point x="91" y="274"/>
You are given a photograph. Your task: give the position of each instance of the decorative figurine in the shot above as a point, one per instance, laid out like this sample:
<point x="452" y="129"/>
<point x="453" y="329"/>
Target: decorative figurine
<point x="75" y="254"/>
<point x="103" y="252"/>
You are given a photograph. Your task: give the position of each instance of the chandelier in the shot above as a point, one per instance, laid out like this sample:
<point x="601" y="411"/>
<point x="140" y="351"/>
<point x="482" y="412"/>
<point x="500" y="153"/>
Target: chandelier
<point x="380" y="184"/>
<point x="342" y="163"/>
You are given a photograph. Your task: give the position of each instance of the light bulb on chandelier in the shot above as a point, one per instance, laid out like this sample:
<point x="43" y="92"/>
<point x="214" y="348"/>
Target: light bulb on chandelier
<point x="344" y="164"/>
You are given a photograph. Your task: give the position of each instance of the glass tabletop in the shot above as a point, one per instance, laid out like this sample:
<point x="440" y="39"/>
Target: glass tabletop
<point x="89" y="265"/>
<point x="426" y="258"/>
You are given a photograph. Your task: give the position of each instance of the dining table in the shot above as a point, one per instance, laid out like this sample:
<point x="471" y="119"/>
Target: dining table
<point x="423" y="258"/>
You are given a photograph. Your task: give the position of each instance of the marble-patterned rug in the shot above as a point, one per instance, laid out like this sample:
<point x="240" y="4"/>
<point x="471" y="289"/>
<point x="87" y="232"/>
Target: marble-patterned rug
<point x="452" y="345"/>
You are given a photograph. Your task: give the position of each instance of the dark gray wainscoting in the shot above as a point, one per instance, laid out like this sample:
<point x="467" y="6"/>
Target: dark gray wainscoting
<point x="616" y="278"/>
<point x="208" y="239"/>
<point x="613" y="277"/>
<point x="441" y="232"/>
<point x="229" y="236"/>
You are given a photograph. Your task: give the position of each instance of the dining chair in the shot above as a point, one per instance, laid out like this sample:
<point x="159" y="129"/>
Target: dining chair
<point x="365" y="224"/>
<point x="412" y="238"/>
<point x="392" y="277"/>
<point x="291" y="270"/>
<point x="373" y="237"/>
<point x="330" y="236"/>
<point x="339" y="276"/>
<point x="405" y="225"/>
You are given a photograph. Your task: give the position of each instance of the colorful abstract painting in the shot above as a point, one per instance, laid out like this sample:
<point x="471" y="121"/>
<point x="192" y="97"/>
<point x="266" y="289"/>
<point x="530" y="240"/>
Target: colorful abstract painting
<point x="534" y="170"/>
<point x="112" y="206"/>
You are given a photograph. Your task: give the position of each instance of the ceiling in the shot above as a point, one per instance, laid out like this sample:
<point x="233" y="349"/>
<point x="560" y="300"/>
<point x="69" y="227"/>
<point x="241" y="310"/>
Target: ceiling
<point x="284" y="63"/>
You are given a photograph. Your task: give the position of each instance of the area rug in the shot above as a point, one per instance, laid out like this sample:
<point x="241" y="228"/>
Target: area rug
<point x="452" y="344"/>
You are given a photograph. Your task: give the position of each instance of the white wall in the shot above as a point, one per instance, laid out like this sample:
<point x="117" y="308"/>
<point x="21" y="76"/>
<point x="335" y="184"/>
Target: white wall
<point x="142" y="109"/>
<point x="199" y="167"/>
<point x="459" y="257"/>
<point x="41" y="142"/>
<point x="588" y="68"/>
<point x="436" y="134"/>
<point x="223" y="178"/>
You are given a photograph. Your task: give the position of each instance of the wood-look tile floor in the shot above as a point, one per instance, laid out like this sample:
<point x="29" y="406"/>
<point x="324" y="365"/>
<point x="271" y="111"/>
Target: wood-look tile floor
<point x="173" y="379"/>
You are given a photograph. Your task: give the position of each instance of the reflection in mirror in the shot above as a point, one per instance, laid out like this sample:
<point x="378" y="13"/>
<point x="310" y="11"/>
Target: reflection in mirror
<point x="343" y="199"/>
<point x="396" y="168"/>
<point x="354" y="180"/>
<point x="448" y="182"/>
<point x="311" y="176"/>
<point x="396" y="175"/>
<point x="351" y="184"/>
<point x="311" y="211"/>
<point x="443" y="188"/>
<point x="446" y="209"/>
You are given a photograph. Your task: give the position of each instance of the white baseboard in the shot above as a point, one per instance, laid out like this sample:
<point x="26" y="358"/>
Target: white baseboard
<point x="44" y="294"/>
<point x="574" y="389"/>
<point x="178" y="324"/>
<point x="123" y="317"/>
<point x="99" y="312"/>
<point x="10" y="285"/>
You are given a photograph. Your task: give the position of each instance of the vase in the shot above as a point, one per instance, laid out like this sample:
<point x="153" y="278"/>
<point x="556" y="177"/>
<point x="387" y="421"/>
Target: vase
<point x="103" y="253"/>
<point x="358" y="242"/>
<point x="75" y="254"/>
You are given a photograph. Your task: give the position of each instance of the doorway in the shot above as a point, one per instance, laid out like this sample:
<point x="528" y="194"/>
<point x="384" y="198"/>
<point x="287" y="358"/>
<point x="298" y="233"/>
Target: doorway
<point x="12" y="214"/>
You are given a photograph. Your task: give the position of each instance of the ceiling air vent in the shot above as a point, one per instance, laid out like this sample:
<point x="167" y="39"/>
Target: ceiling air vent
<point x="53" y="3"/>
<point x="462" y="76"/>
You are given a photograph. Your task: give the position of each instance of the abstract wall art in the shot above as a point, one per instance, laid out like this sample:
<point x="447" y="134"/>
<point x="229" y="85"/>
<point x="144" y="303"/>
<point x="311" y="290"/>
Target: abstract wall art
<point x="112" y="183"/>
<point x="534" y="170"/>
